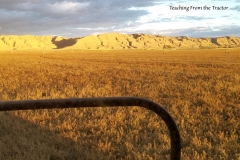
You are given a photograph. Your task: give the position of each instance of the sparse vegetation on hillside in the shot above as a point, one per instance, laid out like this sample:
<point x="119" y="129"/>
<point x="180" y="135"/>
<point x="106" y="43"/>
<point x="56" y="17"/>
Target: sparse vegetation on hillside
<point x="205" y="47"/>
<point x="200" y="88"/>
<point x="167" y="47"/>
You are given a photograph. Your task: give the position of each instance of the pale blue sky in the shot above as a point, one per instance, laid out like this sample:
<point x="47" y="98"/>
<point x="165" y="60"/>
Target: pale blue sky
<point x="77" y="18"/>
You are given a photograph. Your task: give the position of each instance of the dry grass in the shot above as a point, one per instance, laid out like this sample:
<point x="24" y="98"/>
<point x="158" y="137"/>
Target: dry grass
<point x="201" y="89"/>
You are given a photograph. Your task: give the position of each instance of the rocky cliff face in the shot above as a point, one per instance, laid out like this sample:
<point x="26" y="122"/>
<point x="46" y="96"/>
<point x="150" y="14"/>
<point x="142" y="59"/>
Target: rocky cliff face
<point x="25" y="42"/>
<point x="115" y="41"/>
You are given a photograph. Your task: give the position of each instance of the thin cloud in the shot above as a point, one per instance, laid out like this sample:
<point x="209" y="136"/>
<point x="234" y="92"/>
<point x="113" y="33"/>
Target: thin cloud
<point x="195" y="18"/>
<point x="237" y="8"/>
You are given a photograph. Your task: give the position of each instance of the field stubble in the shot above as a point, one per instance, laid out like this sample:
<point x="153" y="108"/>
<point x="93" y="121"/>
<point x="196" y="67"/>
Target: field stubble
<point x="201" y="90"/>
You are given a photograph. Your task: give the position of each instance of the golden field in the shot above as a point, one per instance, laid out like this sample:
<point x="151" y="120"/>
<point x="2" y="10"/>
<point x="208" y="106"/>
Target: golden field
<point x="200" y="89"/>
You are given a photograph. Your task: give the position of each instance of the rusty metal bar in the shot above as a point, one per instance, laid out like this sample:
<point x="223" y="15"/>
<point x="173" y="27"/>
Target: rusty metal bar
<point x="102" y="102"/>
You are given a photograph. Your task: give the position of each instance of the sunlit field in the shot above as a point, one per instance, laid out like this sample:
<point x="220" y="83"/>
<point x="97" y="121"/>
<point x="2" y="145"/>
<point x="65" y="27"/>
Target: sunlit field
<point x="200" y="89"/>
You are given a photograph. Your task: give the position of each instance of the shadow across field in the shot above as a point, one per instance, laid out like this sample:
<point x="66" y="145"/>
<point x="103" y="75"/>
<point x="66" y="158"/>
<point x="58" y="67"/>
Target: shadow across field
<point x="34" y="142"/>
<point x="22" y="139"/>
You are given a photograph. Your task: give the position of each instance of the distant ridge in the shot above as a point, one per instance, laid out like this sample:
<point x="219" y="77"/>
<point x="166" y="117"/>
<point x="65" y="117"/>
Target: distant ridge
<point x="115" y="41"/>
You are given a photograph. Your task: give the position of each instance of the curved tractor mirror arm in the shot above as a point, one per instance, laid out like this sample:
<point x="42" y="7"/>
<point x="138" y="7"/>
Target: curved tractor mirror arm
<point x="102" y="102"/>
